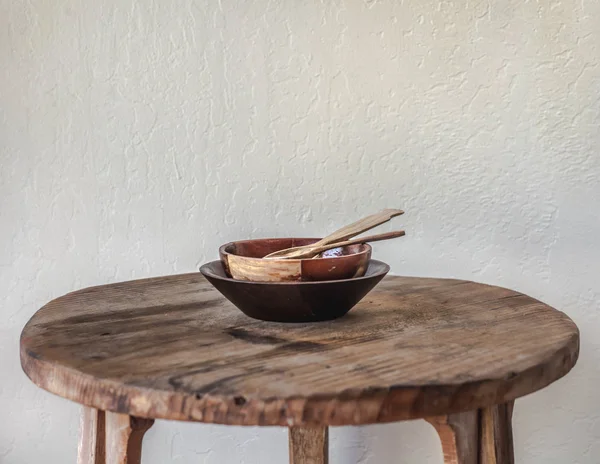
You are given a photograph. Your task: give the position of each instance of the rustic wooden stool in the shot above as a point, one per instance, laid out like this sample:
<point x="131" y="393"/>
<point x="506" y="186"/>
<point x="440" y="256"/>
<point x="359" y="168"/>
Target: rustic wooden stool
<point x="453" y="352"/>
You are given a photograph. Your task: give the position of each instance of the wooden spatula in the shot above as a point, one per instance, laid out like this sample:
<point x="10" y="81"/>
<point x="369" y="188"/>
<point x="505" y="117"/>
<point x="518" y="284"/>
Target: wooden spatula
<point x="346" y="232"/>
<point x="309" y="251"/>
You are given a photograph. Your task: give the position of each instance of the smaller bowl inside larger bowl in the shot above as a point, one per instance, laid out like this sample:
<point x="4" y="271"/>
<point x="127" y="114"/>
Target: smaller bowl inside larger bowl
<point x="294" y="301"/>
<point x="243" y="261"/>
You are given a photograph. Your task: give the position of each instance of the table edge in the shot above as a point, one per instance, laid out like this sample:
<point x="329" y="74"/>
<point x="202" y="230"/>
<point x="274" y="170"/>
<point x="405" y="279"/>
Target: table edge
<point x="350" y="407"/>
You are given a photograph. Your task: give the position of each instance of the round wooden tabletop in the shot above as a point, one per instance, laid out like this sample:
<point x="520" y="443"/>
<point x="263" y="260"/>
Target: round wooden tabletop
<point x="174" y="348"/>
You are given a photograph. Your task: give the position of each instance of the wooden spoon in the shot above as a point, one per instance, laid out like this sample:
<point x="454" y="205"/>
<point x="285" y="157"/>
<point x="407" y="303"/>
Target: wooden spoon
<point x="346" y="232"/>
<point x="309" y="251"/>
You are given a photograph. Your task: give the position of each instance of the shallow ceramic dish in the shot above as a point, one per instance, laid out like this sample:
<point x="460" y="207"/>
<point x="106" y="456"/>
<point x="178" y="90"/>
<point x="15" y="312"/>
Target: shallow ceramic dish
<point x="294" y="301"/>
<point x="243" y="261"/>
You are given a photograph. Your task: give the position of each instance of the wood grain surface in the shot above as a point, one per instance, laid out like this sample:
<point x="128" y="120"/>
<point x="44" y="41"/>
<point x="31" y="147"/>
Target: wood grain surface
<point x="92" y="437"/>
<point x="496" y="434"/>
<point x="309" y="445"/>
<point x="459" y="434"/>
<point x="479" y="436"/>
<point x="124" y="436"/>
<point x="174" y="348"/>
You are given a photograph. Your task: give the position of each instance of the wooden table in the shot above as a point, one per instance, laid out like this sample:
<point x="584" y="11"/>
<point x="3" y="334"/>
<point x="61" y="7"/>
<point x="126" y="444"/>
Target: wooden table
<point x="455" y="353"/>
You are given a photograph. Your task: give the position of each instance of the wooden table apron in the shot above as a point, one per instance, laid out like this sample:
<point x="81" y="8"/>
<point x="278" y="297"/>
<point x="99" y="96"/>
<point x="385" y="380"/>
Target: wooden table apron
<point x="174" y="348"/>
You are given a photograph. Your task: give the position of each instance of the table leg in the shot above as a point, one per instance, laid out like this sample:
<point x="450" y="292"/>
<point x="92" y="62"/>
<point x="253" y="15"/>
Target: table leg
<point x="124" y="436"/>
<point x="482" y="436"/>
<point x="496" y="441"/>
<point x="459" y="435"/>
<point x="91" y="449"/>
<point x="309" y="445"/>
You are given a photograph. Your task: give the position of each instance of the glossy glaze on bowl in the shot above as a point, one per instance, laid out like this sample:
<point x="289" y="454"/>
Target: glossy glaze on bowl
<point x="243" y="261"/>
<point x="294" y="301"/>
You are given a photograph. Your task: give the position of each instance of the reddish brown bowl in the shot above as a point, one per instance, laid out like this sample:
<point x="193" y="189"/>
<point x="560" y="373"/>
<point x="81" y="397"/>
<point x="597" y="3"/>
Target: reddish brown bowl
<point x="243" y="261"/>
<point x="294" y="301"/>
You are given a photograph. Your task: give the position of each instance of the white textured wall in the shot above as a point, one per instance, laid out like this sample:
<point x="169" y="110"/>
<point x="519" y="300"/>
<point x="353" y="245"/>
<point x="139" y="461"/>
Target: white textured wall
<point x="136" y="136"/>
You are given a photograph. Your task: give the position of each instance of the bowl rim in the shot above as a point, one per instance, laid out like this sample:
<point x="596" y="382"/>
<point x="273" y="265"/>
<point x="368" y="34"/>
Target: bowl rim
<point x="368" y="249"/>
<point x="385" y="268"/>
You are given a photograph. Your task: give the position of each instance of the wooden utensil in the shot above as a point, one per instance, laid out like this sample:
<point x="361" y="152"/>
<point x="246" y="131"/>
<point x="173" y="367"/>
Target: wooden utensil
<point x="309" y="251"/>
<point x="346" y="232"/>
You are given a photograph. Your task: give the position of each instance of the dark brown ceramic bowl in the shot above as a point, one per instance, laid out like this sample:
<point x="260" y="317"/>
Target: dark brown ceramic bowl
<point x="243" y="261"/>
<point x="294" y="301"/>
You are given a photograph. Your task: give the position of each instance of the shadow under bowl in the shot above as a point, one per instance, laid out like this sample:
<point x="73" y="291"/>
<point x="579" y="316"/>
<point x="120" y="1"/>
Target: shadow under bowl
<point x="294" y="301"/>
<point x="243" y="260"/>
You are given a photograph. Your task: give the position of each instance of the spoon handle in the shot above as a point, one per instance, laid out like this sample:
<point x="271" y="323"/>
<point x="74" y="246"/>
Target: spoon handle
<point x="360" y="226"/>
<point x="310" y="251"/>
<point x="342" y="234"/>
<point x="354" y="241"/>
